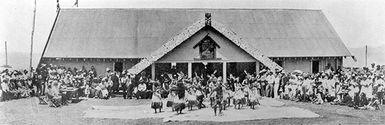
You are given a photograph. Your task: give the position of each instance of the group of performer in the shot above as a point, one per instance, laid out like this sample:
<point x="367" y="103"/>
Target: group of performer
<point x="192" y="92"/>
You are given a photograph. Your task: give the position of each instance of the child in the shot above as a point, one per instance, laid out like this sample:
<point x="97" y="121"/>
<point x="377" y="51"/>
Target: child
<point x="254" y="97"/>
<point x="171" y="97"/>
<point x="237" y="98"/>
<point x="191" y="98"/>
<point x="157" y="101"/>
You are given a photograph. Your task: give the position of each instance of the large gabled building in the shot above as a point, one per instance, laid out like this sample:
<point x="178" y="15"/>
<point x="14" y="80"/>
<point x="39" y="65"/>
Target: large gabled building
<point x="194" y="40"/>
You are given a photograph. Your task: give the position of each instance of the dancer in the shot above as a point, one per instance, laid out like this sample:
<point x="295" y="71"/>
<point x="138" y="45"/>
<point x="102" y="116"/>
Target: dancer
<point x="200" y="97"/>
<point x="170" y="99"/>
<point x="179" y="102"/>
<point x="238" y="95"/>
<point x="191" y="98"/>
<point x="226" y="97"/>
<point x="218" y="96"/>
<point x="254" y="97"/>
<point x="157" y="101"/>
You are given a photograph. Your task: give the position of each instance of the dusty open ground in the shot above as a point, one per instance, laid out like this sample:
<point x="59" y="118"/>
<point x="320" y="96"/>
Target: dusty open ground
<point x="27" y="111"/>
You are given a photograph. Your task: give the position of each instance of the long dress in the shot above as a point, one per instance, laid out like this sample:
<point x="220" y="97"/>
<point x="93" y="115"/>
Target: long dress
<point x="276" y="86"/>
<point x="367" y="89"/>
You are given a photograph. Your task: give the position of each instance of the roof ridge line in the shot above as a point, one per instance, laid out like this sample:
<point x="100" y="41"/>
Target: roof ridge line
<point x="192" y="8"/>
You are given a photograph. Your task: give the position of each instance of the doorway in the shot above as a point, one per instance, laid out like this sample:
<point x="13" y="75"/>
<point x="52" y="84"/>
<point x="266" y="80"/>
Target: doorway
<point x="315" y="66"/>
<point x="118" y="67"/>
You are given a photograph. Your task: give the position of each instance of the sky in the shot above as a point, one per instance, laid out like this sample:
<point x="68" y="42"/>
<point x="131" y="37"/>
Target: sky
<point x="358" y="22"/>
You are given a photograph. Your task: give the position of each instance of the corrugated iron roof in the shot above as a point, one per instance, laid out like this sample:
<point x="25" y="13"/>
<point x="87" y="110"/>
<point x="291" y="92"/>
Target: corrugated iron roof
<point x="135" y="33"/>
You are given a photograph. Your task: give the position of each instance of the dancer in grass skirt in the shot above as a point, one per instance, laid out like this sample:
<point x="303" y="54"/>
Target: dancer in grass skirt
<point x="179" y="102"/>
<point x="157" y="101"/>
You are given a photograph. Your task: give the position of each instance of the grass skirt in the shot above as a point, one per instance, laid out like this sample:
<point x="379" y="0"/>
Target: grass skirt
<point x="156" y="105"/>
<point x="179" y="106"/>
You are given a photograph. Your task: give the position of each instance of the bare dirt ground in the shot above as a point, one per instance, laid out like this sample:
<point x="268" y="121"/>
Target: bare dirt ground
<point x="28" y="111"/>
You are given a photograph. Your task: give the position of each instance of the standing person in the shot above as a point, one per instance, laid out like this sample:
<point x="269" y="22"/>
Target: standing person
<point x="263" y="83"/>
<point x="35" y="84"/>
<point x="44" y="79"/>
<point x="191" y="98"/>
<point x="115" y="84"/>
<point x="284" y="82"/>
<point x="40" y="85"/>
<point x="156" y="100"/>
<point x="200" y="97"/>
<point x="124" y="83"/>
<point x="130" y="86"/>
<point x="381" y="88"/>
<point x="5" y="90"/>
<point x="218" y="92"/>
<point x="254" y="96"/>
<point x="231" y="81"/>
<point x="277" y="80"/>
<point x="270" y="84"/>
<point x="179" y="102"/>
<point x="238" y="95"/>
<point x="366" y="87"/>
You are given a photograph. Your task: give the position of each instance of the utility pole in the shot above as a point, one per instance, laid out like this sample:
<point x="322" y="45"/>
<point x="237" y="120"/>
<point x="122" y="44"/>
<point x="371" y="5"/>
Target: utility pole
<point x="32" y="33"/>
<point x="6" y="54"/>
<point x="366" y="55"/>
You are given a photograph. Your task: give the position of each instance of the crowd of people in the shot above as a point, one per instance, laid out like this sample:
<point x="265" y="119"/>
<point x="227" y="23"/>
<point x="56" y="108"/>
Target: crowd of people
<point x="359" y="88"/>
<point x="15" y="84"/>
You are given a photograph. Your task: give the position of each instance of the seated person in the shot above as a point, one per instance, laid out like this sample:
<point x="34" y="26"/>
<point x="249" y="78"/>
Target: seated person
<point x="142" y="91"/>
<point x="94" y="89"/>
<point x="373" y="105"/>
<point x="53" y="96"/>
<point x="104" y="91"/>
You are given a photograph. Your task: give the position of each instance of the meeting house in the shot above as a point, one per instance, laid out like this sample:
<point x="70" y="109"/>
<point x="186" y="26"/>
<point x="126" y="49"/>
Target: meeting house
<point x="194" y="40"/>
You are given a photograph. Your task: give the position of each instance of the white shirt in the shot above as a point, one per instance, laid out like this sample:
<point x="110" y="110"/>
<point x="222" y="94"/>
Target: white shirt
<point x="156" y="97"/>
<point x="4" y="87"/>
<point x="142" y="87"/>
<point x="270" y="79"/>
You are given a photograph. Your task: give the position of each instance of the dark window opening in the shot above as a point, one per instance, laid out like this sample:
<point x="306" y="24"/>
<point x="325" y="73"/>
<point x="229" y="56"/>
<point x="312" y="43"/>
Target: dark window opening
<point x="315" y="66"/>
<point x="280" y="63"/>
<point x="118" y="66"/>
